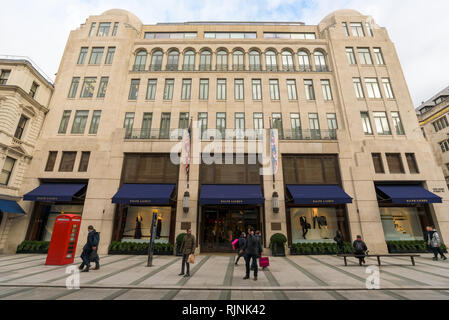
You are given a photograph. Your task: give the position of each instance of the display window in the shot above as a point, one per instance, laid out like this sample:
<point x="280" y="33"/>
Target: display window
<point x="402" y="224"/>
<point x="316" y="224"/>
<point x="53" y="212"/>
<point x="138" y="224"/>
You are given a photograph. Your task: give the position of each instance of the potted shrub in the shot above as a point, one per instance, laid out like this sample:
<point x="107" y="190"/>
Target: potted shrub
<point x="277" y="245"/>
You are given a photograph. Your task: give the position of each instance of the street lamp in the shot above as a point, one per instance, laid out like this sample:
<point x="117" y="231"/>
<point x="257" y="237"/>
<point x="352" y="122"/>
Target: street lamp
<point x="185" y="202"/>
<point x="275" y="202"/>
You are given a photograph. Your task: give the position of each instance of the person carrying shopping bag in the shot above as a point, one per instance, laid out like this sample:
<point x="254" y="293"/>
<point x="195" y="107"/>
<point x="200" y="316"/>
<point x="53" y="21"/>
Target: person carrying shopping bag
<point x="187" y="251"/>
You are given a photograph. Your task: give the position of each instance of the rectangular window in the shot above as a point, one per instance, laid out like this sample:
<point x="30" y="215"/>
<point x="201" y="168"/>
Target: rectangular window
<point x="332" y="121"/>
<point x="357" y="29"/>
<point x="257" y="89"/>
<point x="387" y="88"/>
<point x="92" y="29"/>
<point x="381" y="121"/>
<point x="221" y="123"/>
<point x="364" y="56"/>
<point x="183" y="120"/>
<point x="327" y="92"/>
<point x="258" y="121"/>
<point x="88" y="87"/>
<point x="440" y="124"/>
<point x="147" y="122"/>
<point x="134" y="89"/>
<point x="6" y="173"/>
<point x="103" y="29"/>
<point x="345" y="28"/>
<point x="295" y="121"/>
<point x="411" y="162"/>
<point x="83" y="54"/>
<point x="274" y="89"/>
<point x="164" y="132"/>
<point x="379" y="56"/>
<point x="79" y="123"/>
<point x="33" y="89"/>
<point x="369" y="29"/>
<point x="103" y="87"/>
<point x="221" y="89"/>
<point x="96" y="55"/>
<point x="114" y="31"/>
<point x="110" y="55"/>
<point x="168" y="90"/>
<point x="314" y="125"/>
<point x="397" y="123"/>
<point x="358" y="88"/>
<point x="378" y="163"/>
<point x="240" y="125"/>
<point x="204" y="89"/>
<point x="74" y="87"/>
<point x="308" y="87"/>
<point x="64" y="122"/>
<point x="444" y="145"/>
<point x="276" y="123"/>
<point x="372" y="86"/>
<point x="84" y="161"/>
<point x="128" y="124"/>
<point x="351" y="56"/>
<point x="51" y="161"/>
<point x="67" y="161"/>
<point x="202" y="125"/>
<point x="186" y="89"/>
<point x="291" y="90"/>
<point x="151" y="89"/>
<point x="21" y="127"/>
<point x="395" y="163"/>
<point x="239" y="89"/>
<point x="4" y="76"/>
<point x="95" y="122"/>
<point x="366" y="123"/>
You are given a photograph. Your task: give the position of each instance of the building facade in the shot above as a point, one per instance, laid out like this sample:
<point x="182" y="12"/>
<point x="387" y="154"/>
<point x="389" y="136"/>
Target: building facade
<point x="346" y="143"/>
<point x="25" y="95"/>
<point x="433" y="119"/>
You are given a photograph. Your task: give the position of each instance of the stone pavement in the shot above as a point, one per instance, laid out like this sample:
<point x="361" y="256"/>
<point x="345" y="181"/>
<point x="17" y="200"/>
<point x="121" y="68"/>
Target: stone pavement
<point x="24" y="277"/>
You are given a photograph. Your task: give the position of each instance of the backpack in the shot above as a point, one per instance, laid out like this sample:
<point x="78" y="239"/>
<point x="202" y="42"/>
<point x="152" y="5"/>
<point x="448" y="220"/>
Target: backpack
<point x="358" y="246"/>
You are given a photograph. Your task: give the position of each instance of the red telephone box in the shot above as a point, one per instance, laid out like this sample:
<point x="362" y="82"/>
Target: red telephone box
<point x="64" y="239"/>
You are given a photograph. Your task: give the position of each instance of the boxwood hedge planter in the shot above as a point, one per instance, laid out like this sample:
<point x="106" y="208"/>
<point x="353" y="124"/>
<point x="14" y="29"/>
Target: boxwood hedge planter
<point x="33" y="247"/>
<point x="277" y="245"/>
<point x="414" y="246"/>
<point x="304" y="249"/>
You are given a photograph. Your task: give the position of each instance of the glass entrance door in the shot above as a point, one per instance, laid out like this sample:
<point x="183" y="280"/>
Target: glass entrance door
<point x="221" y="225"/>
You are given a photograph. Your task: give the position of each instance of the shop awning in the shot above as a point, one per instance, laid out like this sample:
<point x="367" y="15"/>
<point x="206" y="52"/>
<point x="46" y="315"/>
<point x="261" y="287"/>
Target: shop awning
<point x="144" y="194"/>
<point x="9" y="206"/>
<point x="318" y="194"/>
<point x="231" y="194"/>
<point x="403" y="194"/>
<point x="56" y="192"/>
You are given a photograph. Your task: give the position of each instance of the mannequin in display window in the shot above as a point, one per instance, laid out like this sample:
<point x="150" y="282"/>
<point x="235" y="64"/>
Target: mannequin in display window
<point x="304" y="225"/>
<point x="138" y="231"/>
<point x="315" y="218"/>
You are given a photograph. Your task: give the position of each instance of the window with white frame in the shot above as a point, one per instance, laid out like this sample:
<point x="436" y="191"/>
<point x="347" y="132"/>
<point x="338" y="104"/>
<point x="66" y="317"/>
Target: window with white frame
<point x="221" y="89"/>
<point x="358" y="88"/>
<point x="326" y="88"/>
<point x="372" y="87"/>
<point x="366" y="123"/>
<point x="291" y="89"/>
<point x="186" y="89"/>
<point x="204" y="89"/>
<point x="397" y="123"/>
<point x="357" y="29"/>
<point x="257" y="89"/>
<point x="168" y="90"/>
<point x="387" y="88"/>
<point x="351" y="56"/>
<point x="239" y="89"/>
<point x="274" y="89"/>
<point x="8" y="167"/>
<point x="364" y="56"/>
<point x="381" y="122"/>
<point x="379" y="56"/>
<point x="308" y="87"/>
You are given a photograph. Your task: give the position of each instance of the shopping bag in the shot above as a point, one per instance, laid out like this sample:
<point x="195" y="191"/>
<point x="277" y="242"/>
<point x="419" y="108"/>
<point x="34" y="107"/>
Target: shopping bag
<point x="264" y="262"/>
<point x="191" y="259"/>
<point x="234" y="244"/>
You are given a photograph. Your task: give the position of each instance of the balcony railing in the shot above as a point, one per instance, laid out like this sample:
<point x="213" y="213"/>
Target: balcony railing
<point x="171" y="67"/>
<point x="205" y="67"/>
<point x="255" y="67"/>
<point x="160" y="134"/>
<point x="238" y="67"/>
<point x="288" y="68"/>
<point x="139" y="67"/>
<point x="156" y="67"/>
<point x="222" y="67"/>
<point x="188" y="67"/>
<point x="310" y="134"/>
<point x="321" y="69"/>
<point x="305" y="68"/>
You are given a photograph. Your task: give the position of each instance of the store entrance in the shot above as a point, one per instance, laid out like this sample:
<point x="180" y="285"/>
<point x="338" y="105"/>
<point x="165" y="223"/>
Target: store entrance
<point x="220" y="225"/>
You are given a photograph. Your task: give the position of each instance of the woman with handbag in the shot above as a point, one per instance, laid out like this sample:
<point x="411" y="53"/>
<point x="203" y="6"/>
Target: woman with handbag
<point x="187" y="251"/>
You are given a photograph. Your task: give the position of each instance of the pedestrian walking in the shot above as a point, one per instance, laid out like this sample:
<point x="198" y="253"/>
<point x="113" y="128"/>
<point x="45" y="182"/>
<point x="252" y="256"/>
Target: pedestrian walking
<point x="340" y="243"/>
<point x="360" y="249"/>
<point x="242" y="241"/>
<point x="90" y="250"/>
<point x="435" y="244"/>
<point x="187" y="249"/>
<point x="427" y="238"/>
<point x="252" y="249"/>
<point x="259" y="236"/>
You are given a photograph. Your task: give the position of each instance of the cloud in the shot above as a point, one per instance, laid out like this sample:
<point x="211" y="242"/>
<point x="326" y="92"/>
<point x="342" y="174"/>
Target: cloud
<point x="39" y="29"/>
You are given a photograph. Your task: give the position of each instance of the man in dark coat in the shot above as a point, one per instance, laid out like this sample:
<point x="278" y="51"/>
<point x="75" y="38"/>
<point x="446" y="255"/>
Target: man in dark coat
<point x="242" y="241"/>
<point x="187" y="248"/>
<point x="252" y="250"/>
<point x="360" y="249"/>
<point x="89" y="248"/>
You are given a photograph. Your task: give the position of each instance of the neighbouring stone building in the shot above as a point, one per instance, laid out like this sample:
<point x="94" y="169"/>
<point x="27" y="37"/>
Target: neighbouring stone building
<point x="25" y="94"/>
<point x="351" y="155"/>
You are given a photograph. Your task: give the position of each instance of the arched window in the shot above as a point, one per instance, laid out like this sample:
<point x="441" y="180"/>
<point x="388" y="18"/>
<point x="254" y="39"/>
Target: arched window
<point x="303" y="61"/>
<point x="156" y="61"/>
<point x="238" y="62"/>
<point x="141" y="60"/>
<point x="254" y="61"/>
<point x="222" y="60"/>
<point x="320" y="62"/>
<point x="172" y="60"/>
<point x="287" y="61"/>
<point x="270" y="59"/>
<point x="189" y="61"/>
<point x="205" y="60"/>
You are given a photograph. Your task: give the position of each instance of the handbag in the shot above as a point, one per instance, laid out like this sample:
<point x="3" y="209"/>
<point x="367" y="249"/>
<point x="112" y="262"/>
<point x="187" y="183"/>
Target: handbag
<point x="264" y="262"/>
<point x="191" y="259"/>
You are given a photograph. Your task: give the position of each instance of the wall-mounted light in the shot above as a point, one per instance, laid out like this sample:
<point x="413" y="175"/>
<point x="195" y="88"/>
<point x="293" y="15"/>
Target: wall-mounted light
<point x="275" y="202"/>
<point x="185" y="202"/>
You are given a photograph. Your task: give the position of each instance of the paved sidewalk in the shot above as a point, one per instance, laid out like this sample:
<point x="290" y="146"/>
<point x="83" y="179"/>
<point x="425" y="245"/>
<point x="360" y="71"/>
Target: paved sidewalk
<point x="24" y="277"/>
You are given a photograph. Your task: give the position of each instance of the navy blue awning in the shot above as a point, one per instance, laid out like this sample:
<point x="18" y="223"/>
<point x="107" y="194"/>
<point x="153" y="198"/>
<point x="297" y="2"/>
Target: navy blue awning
<point x="318" y="194"/>
<point x="231" y="194"/>
<point x="403" y="194"/>
<point x="10" y="206"/>
<point x="56" y="192"/>
<point x="144" y="194"/>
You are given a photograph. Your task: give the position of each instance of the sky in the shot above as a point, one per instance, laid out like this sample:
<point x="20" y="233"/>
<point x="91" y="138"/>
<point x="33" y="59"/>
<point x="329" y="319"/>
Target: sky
<point x="419" y="29"/>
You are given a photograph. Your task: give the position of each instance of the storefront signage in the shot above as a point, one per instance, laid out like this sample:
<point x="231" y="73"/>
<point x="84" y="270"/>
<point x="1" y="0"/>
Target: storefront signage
<point x="438" y="190"/>
<point x="323" y="201"/>
<point x="231" y="201"/>
<point x="417" y="201"/>
<point x="140" y="201"/>
<point x="47" y="199"/>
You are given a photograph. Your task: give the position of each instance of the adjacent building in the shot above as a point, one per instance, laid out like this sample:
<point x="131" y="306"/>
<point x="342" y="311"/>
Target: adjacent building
<point x="346" y="143"/>
<point x="25" y="94"/>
